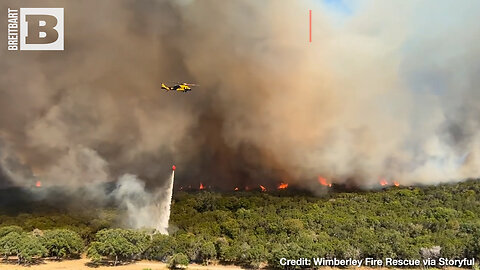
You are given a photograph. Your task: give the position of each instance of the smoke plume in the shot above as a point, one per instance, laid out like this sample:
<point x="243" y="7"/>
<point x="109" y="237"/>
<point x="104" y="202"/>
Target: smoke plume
<point x="145" y="209"/>
<point x="384" y="90"/>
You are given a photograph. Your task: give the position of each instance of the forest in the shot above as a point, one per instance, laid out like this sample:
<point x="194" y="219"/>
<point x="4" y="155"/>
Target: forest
<point x="255" y="229"/>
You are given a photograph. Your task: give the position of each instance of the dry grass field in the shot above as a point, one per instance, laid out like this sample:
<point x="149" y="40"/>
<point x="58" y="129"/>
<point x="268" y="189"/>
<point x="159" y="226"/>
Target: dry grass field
<point x="82" y="264"/>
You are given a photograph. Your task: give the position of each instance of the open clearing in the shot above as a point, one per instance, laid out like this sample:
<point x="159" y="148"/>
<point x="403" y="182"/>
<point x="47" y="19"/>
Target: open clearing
<point x="81" y="264"/>
<point x="140" y="265"/>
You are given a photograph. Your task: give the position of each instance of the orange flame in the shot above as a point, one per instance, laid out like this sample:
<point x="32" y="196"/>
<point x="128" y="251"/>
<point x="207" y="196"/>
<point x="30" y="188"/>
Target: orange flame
<point x="202" y="186"/>
<point x="282" y="186"/>
<point x="263" y="188"/>
<point x="323" y="181"/>
<point x="395" y="183"/>
<point x="236" y="189"/>
<point x="383" y="182"/>
<point x="38" y="184"/>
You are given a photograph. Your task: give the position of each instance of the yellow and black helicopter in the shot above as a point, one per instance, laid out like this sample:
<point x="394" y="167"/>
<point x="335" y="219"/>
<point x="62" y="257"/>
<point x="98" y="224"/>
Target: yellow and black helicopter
<point x="181" y="87"/>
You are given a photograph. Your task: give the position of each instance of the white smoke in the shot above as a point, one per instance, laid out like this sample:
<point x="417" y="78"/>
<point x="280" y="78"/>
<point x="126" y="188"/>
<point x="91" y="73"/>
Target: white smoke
<point x="164" y="207"/>
<point x="144" y="209"/>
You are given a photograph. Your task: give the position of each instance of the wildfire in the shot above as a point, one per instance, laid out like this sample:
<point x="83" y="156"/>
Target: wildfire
<point x="263" y="188"/>
<point x="282" y="186"/>
<point x="395" y="183"/>
<point x="38" y="184"/>
<point x="323" y="181"/>
<point x="201" y="186"/>
<point x="236" y="189"/>
<point x="383" y="182"/>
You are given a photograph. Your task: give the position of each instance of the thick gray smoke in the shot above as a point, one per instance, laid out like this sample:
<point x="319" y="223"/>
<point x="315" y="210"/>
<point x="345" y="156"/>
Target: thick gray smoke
<point x="385" y="90"/>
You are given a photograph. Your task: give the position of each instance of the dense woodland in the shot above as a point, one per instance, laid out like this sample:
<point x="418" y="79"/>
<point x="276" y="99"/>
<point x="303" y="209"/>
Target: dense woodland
<point x="255" y="229"/>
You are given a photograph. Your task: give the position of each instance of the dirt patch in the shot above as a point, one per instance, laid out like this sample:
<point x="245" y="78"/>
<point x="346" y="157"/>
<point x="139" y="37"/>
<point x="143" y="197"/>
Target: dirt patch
<point x="81" y="264"/>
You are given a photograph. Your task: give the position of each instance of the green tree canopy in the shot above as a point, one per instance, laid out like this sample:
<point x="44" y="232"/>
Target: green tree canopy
<point x="62" y="243"/>
<point x="178" y="260"/>
<point x="30" y="248"/>
<point x="10" y="244"/>
<point x="161" y="247"/>
<point x="118" y="244"/>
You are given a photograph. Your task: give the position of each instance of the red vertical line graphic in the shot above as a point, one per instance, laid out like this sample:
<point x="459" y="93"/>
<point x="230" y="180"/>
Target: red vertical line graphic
<point x="310" y="25"/>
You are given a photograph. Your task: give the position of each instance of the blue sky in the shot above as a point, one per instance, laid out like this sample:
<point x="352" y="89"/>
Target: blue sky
<point x="339" y="6"/>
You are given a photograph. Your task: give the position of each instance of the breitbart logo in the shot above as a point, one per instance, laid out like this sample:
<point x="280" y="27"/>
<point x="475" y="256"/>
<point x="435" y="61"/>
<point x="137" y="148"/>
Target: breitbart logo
<point x="35" y="29"/>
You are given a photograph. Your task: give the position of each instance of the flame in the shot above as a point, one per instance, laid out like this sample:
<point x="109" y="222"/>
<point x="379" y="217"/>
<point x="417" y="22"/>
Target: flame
<point x="282" y="186"/>
<point x="395" y="183"/>
<point x="201" y="186"/>
<point x="323" y="181"/>
<point x="263" y="188"/>
<point x="236" y="189"/>
<point x="383" y="182"/>
<point x="38" y="184"/>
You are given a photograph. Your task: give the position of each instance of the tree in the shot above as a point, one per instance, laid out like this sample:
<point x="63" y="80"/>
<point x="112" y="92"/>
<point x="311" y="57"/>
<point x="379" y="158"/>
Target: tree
<point x="189" y="244"/>
<point x="207" y="252"/>
<point x="140" y="239"/>
<point x="161" y="247"/>
<point x="8" y="229"/>
<point x="178" y="260"/>
<point x="61" y="243"/>
<point x="30" y="247"/>
<point x="10" y="244"/>
<point x="250" y="228"/>
<point x="117" y="244"/>
<point x="253" y="255"/>
<point x="221" y="245"/>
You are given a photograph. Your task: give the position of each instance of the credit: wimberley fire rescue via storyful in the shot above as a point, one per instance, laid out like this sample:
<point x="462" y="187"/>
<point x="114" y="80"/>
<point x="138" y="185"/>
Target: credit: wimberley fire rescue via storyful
<point x="371" y="262"/>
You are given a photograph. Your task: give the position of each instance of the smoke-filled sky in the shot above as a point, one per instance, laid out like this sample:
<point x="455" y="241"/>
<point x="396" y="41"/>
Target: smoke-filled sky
<point x="386" y="89"/>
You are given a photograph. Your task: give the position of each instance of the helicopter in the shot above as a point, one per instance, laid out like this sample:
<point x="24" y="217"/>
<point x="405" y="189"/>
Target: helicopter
<point x="181" y="87"/>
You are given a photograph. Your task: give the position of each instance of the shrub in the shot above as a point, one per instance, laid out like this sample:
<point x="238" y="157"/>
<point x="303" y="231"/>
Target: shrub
<point x="118" y="245"/>
<point x="178" y="261"/>
<point x="161" y="247"/>
<point x="30" y="248"/>
<point x="62" y="243"/>
<point x="10" y="244"/>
